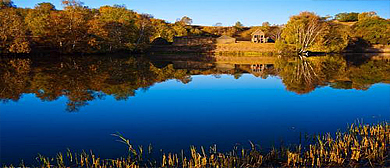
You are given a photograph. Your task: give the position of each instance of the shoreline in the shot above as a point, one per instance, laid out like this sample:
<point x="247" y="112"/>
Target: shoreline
<point x="246" y="48"/>
<point x="203" y="51"/>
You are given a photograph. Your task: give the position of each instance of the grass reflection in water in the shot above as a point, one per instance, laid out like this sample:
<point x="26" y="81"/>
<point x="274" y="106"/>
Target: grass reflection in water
<point x="361" y="145"/>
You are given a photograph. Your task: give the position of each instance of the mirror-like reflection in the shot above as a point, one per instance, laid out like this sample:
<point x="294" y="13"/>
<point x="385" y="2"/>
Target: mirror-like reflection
<point x="83" y="79"/>
<point x="174" y="101"/>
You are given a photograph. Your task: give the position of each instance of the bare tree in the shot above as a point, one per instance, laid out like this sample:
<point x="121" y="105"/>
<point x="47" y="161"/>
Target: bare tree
<point x="303" y="30"/>
<point x="276" y="32"/>
<point x="308" y="34"/>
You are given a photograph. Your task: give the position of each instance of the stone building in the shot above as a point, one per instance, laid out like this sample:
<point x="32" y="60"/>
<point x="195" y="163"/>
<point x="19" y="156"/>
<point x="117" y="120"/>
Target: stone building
<point x="259" y="36"/>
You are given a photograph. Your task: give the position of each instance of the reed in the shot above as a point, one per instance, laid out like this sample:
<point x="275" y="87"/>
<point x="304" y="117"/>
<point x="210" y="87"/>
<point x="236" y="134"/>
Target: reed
<point x="361" y="145"/>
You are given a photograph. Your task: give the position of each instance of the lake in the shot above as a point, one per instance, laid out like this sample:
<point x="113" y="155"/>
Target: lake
<point x="50" y="104"/>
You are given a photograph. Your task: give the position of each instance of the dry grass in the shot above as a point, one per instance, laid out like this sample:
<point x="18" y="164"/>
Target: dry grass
<point x="361" y="146"/>
<point x="345" y="23"/>
<point x="246" y="46"/>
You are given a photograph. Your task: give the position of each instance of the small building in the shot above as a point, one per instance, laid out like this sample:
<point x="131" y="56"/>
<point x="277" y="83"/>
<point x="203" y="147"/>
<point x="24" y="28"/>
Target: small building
<point x="226" y="40"/>
<point x="259" y="36"/>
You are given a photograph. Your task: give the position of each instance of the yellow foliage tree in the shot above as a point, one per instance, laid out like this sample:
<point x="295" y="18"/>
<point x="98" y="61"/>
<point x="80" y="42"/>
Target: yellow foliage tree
<point x="13" y="38"/>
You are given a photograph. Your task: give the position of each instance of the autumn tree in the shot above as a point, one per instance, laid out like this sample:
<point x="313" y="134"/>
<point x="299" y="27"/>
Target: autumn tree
<point x="229" y="31"/>
<point x="145" y="28"/>
<point x="72" y="22"/>
<point x="114" y="28"/>
<point x="367" y="15"/>
<point x="179" y="29"/>
<point x="218" y="29"/>
<point x="162" y="29"/>
<point x="303" y="30"/>
<point x="196" y="31"/>
<point x="334" y="38"/>
<point x="6" y="4"/>
<point x="275" y="32"/>
<point x="13" y="33"/>
<point x="372" y="28"/>
<point x="40" y="25"/>
<point x="266" y="24"/>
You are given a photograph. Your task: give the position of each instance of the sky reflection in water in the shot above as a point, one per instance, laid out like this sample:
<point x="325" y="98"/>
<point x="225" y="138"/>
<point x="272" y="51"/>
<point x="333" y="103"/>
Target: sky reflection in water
<point x="172" y="116"/>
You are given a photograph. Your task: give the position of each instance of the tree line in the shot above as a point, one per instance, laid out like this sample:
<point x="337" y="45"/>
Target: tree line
<point x="80" y="29"/>
<point x="310" y="32"/>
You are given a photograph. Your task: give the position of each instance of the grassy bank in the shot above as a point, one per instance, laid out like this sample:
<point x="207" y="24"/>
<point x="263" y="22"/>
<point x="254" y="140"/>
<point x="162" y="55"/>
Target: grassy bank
<point x="360" y="146"/>
<point x="240" y="48"/>
<point x="249" y="49"/>
<point x="245" y="46"/>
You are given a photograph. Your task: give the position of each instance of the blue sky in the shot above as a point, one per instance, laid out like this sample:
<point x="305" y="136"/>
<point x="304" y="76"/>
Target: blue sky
<point x="227" y="12"/>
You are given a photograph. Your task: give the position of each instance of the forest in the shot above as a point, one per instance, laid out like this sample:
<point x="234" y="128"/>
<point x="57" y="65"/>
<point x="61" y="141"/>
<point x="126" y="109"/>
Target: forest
<point x="80" y="29"/>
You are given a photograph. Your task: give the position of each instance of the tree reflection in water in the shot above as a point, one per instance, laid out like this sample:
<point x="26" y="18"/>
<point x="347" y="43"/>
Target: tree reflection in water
<point x="298" y="74"/>
<point x="305" y="71"/>
<point x="83" y="79"/>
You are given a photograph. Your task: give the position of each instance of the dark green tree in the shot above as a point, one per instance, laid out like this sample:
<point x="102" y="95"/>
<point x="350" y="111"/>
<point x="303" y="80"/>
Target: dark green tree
<point x="347" y="17"/>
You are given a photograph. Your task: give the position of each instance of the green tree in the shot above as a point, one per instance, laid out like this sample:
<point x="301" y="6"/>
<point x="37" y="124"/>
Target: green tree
<point x="347" y="17"/>
<point x="238" y="25"/>
<point x="372" y="29"/>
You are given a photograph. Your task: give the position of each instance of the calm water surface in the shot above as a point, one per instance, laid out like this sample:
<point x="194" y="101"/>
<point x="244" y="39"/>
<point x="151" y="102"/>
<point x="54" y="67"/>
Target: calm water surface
<point x="50" y="105"/>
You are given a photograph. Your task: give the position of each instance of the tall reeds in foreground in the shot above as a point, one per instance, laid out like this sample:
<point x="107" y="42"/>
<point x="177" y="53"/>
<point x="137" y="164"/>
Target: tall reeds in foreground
<point x="360" y="146"/>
